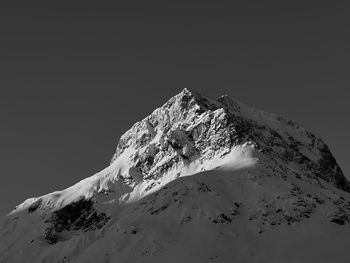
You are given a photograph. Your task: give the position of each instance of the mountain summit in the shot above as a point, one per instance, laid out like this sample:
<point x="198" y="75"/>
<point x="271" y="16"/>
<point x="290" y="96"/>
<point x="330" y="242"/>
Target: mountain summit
<point x="198" y="180"/>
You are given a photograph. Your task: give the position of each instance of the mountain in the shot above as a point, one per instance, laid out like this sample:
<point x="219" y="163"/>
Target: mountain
<point x="198" y="180"/>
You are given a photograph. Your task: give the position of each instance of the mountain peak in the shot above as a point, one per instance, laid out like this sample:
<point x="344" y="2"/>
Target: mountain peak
<point x="176" y="120"/>
<point x="194" y="171"/>
<point x="204" y="103"/>
<point x="187" y="99"/>
<point x="190" y="127"/>
<point x="185" y="91"/>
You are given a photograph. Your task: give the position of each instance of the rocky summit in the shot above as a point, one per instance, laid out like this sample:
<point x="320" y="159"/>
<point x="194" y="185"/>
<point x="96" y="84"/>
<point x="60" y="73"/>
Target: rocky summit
<point x="198" y="180"/>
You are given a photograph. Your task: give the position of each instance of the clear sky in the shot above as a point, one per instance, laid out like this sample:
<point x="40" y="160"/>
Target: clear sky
<point x="74" y="78"/>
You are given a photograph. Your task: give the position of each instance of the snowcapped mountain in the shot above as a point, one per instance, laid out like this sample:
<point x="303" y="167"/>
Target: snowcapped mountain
<point x="198" y="180"/>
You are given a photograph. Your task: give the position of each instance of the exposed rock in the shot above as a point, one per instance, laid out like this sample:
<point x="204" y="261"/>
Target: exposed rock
<point x="34" y="206"/>
<point x="190" y="127"/>
<point x="80" y="215"/>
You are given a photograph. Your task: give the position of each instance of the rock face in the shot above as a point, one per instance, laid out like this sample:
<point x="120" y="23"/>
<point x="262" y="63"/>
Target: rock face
<point x="78" y="215"/>
<point x="206" y="180"/>
<point x="191" y="127"/>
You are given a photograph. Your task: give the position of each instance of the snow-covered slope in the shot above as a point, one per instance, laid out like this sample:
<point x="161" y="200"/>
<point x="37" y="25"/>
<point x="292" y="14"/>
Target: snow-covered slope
<point x="198" y="180"/>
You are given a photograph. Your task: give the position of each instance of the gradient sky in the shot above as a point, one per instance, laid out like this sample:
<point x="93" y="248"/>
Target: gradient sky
<point x="73" y="79"/>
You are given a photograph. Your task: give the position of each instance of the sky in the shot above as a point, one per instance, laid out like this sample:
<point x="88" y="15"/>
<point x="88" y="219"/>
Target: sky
<point x="74" y="78"/>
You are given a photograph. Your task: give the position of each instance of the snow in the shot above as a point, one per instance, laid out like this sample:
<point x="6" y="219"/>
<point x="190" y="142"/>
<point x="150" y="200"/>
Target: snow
<point x="180" y="189"/>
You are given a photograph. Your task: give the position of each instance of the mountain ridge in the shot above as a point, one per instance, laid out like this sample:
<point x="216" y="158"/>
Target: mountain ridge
<point x="216" y="165"/>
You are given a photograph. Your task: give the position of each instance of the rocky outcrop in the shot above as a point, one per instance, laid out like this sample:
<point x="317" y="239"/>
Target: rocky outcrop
<point x="77" y="216"/>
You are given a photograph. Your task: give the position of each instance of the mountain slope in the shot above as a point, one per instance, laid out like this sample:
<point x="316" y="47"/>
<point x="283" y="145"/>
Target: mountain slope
<point x="197" y="180"/>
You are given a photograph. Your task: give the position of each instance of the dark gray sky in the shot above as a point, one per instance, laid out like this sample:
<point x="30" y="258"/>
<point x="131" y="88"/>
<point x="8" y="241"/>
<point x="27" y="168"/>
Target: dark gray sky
<point x="74" y="78"/>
